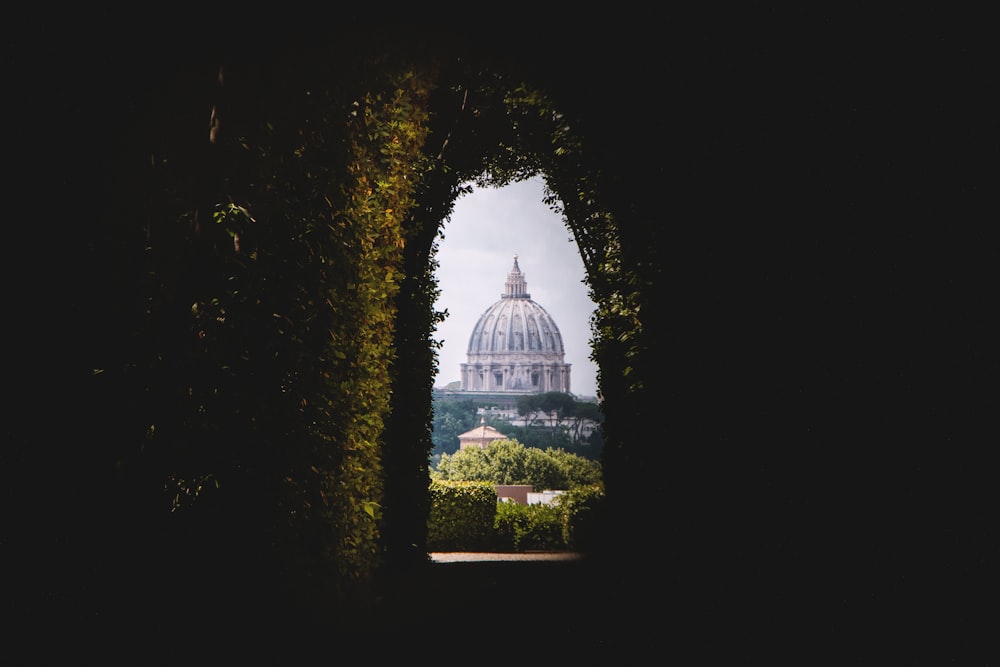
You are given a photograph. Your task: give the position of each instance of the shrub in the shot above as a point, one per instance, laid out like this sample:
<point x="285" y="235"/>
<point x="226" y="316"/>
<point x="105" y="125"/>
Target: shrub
<point x="581" y="511"/>
<point x="525" y="527"/>
<point x="465" y="516"/>
<point x="461" y="516"/>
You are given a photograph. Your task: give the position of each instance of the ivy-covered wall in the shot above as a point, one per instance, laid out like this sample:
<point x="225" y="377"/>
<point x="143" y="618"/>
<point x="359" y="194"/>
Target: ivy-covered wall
<point x="266" y="258"/>
<point x="266" y="264"/>
<point x="218" y="291"/>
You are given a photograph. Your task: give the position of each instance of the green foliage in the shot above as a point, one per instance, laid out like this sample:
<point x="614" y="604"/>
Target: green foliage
<point x="528" y="527"/>
<point x="556" y="420"/>
<point x="582" y="515"/>
<point x="565" y="431"/>
<point x="575" y="469"/>
<point x="561" y="403"/>
<point x="590" y="447"/>
<point x="408" y="434"/>
<point x="451" y="419"/>
<point x="461" y="516"/>
<point x="459" y="519"/>
<point x="510" y="462"/>
<point x="269" y="318"/>
<point x="268" y="353"/>
<point x="540" y="437"/>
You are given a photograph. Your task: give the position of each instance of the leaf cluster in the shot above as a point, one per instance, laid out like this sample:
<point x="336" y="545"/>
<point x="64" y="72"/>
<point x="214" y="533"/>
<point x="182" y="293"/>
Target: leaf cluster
<point x="510" y="462"/>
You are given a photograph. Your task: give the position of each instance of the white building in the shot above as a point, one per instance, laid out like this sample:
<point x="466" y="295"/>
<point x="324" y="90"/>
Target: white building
<point x="515" y="346"/>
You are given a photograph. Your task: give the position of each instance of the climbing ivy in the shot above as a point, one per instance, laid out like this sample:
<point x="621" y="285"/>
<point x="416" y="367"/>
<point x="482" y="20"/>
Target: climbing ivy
<point x="279" y="345"/>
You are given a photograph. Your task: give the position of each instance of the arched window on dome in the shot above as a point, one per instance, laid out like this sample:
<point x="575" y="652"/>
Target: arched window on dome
<point x="532" y="334"/>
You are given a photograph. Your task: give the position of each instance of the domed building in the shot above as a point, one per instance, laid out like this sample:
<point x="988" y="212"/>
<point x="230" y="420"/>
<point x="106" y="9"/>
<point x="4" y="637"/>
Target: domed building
<point x="515" y="347"/>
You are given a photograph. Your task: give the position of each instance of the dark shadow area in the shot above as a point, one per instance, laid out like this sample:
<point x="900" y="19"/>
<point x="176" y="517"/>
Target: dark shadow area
<point x="814" y="474"/>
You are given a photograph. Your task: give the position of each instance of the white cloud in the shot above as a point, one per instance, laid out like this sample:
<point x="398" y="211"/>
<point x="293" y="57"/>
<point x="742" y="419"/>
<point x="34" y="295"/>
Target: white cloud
<point x="487" y="228"/>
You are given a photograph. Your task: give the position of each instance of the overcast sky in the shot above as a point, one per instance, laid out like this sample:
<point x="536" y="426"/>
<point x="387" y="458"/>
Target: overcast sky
<point x="486" y="230"/>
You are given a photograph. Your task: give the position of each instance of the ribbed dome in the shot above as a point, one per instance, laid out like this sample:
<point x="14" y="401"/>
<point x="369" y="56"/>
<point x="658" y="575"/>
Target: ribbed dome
<point x="516" y="345"/>
<point x="515" y="323"/>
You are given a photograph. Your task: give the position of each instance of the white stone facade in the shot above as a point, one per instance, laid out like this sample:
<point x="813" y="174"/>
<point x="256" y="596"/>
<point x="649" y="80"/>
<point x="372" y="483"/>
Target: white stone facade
<point x="515" y="346"/>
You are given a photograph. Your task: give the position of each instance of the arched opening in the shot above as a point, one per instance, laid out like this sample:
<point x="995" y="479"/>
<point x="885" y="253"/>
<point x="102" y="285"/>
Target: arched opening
<point x="489" y="227"/>
<point x="781" y="227"/>
<point x="253" y="358"/>
<point x="505" y="348"/>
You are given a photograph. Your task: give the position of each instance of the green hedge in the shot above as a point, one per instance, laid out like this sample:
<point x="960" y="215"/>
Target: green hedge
<point x="465" y="516"/>
<point x="528" y="527"/>
<point x="582" y="517"/>
<point x="461" y="516"/>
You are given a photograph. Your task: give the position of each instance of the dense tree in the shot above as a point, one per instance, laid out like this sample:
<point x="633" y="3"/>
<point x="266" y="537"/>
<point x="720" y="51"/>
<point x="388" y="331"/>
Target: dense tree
<point x="451" y="419"/>
<point x="542" y="437"/>
<point x="550" y="408"/>
<point x="578" y="470"/>
<point x="554" y="422"/>
<point x="510" y="462"/>
<point x="556" y="419"/>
